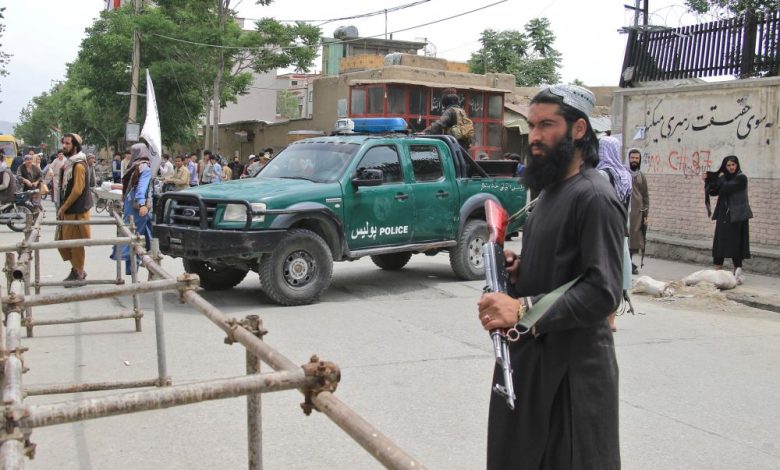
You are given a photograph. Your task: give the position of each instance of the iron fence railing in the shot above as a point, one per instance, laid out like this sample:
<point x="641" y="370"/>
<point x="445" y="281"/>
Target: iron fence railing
<point x="743" y="46"/>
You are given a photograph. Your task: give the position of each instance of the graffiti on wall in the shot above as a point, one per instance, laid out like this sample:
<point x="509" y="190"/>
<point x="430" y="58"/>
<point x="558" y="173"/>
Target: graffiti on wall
<point x="738" y="117"/>
<point x="690" y="164"/>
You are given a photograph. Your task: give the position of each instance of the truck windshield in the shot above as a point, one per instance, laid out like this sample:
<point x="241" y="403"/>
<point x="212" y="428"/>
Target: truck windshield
<point x="321" y="162"/>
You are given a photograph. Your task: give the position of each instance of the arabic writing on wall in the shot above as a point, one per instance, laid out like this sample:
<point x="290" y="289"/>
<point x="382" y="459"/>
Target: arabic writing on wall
<point x="675" y="122"/>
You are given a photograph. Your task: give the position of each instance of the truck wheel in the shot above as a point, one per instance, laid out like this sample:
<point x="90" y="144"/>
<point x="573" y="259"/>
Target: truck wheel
<point x="214" y="276"/>
<point x="392" y="261"/>
<point x="466" y="256"/>
<point x="298" y="270"/>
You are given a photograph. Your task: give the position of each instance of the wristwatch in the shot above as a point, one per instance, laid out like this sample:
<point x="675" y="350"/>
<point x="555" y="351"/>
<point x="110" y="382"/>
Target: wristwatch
<point x="521" y="310"/>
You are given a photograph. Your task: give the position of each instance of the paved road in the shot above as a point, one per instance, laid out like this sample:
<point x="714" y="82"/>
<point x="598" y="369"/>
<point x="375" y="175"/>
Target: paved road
<point x="699" y="376"/>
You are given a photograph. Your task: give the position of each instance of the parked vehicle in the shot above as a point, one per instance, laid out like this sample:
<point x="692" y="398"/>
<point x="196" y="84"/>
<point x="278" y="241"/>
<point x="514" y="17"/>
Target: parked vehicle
<point x="331" y="199"/>
<point x="9" y="147"/>
<point x="14" y="214"/>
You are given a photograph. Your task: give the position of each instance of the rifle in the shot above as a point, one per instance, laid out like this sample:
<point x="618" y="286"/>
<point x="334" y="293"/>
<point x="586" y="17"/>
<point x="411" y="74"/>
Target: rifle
<point x="643" y="230"/>
<point x="496" y="279"/>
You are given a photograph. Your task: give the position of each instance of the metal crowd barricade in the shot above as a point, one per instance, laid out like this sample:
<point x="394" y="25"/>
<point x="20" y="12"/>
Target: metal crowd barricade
<point x="317" y="380"/>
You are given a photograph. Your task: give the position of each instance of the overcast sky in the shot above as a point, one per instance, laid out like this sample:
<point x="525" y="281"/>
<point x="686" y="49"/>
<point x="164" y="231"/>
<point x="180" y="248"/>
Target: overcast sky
<point x="44" y="35"/>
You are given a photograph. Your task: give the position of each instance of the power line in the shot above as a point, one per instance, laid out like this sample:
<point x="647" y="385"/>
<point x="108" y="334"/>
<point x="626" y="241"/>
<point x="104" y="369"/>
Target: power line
<point x="364" y="15"/>
<point x="340" y="41"/>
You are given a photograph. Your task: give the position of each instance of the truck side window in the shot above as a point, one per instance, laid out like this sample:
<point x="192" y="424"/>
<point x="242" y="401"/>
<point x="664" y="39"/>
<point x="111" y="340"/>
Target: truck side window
<point x="383" y="158"/>
<point x="426" y="162"/>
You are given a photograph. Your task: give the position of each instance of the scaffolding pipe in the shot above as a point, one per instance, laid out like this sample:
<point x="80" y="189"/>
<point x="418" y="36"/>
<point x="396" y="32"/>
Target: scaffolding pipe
<point x="12" y="447"/>
<point x="85" y="282"/>
<point x="66" y="321"/>
<point x="78" y="222"/>
<point x="254" y="406"/>
<point x="134" y="275"/>
<point x="159" y="327"/>
<point x="75" y="243"/>
<point x="89" y="387"/>
<point x="91" y="294"/>
<point x="176" y="395"/>
<point x="370" y="438"/>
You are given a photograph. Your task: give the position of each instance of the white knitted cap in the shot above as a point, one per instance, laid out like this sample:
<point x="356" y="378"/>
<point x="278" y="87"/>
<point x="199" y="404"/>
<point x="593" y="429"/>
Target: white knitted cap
<point x="575" y="96"/>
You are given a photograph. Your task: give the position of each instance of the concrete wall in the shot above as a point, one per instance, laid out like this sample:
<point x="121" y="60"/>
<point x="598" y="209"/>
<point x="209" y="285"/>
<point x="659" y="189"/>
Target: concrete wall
<point x="259" y="104"/>
<point x="684" y="131"/>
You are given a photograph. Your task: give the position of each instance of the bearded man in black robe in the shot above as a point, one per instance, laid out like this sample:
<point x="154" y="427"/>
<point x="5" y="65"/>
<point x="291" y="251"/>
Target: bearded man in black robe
<point x="565" y="370"/>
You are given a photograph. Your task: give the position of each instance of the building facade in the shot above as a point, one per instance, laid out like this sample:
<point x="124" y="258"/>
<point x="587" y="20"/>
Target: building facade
<point x="682" y="132"/>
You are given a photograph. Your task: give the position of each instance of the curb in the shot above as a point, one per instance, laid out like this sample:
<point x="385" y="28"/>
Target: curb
<point x="754" y="302"/>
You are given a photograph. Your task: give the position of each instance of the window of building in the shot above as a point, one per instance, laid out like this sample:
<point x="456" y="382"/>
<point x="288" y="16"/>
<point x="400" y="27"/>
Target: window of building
<point x="426" y="162"/>
<point x="494" y="134"/>
<point x="418" y="100"/>
<point x="293" y="82"/>
<point x="396" y="99"/>
<point x="385" y="158"/>
<point x="376" y="100"/>
<point x="358" y="102"/>
<point x="495" y="106"/>
<point x="476" y="105"/>
<point x="420" y="106"/>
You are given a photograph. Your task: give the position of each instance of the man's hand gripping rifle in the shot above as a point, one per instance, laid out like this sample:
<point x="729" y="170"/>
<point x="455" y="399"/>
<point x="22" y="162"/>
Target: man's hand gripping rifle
<point x="497" y="279"/>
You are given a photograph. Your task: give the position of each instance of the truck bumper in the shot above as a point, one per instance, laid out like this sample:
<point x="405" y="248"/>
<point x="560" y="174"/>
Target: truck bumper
<point x="195" y="243"/>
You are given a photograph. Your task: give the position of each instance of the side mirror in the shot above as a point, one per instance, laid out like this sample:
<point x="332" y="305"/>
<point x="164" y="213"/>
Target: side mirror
<point x="368" y="177"/>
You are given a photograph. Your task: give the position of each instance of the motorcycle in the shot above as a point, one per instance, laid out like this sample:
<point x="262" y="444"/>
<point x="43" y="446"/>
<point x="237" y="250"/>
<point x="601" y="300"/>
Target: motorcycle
<point x="14" y="214"/>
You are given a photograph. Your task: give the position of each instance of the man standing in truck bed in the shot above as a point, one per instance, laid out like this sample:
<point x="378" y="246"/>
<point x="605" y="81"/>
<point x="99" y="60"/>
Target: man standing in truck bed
<point x="453" y="121"/>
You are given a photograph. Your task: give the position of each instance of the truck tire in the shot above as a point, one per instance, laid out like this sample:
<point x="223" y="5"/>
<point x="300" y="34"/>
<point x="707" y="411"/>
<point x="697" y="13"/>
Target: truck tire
<point x="392" y="261"/>
<point x="214" y="277"/>
<point x="298" y="270"/>
<point x="466" y="256"/>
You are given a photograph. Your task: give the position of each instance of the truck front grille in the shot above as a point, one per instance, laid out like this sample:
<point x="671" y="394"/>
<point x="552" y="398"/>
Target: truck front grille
<point x="187" y="212"/>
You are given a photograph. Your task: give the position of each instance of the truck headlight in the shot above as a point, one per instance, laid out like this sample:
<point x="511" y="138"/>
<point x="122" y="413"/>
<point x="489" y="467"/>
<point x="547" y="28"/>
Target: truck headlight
<point x="237" y="212"/>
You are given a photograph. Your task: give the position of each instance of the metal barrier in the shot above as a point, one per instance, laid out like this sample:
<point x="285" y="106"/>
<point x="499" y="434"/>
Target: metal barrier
<point x="317" y="380"/>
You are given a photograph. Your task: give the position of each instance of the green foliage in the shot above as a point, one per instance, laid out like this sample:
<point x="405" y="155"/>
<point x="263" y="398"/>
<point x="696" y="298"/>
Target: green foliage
<point x="577" y="82"/>
<point x="4" y="57"/>
<point x="731" y="6"/>
<point x="528" y="55"/>
<point x="287" y="104"/>
<point x="183" y="70"/>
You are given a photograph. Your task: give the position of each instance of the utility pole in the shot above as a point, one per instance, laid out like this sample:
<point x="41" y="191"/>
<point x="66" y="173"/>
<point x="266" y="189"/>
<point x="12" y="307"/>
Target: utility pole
<point x="385" y="23"/>
<point x="133" y="112"/>
<point x="136" y="71"/>
<point x="640" y="7"/>
<point x="636" y="12"/>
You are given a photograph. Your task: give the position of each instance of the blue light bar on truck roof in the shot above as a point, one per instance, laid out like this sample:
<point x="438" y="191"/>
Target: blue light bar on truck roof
<point x="372" y="125"/>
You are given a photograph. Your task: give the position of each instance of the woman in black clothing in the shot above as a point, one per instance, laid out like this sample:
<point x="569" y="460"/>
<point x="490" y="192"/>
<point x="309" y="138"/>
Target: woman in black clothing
<point x="732" y="212"/>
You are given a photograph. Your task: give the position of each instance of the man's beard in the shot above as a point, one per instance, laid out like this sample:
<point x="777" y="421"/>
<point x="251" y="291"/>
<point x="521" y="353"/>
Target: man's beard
<point x="69" y="153"/>
<point x="551" y="166"/>
<point x="634" y="166"/>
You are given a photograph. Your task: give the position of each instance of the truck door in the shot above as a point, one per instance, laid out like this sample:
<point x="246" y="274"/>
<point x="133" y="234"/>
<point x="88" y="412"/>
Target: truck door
<point x="435" y="195"/>
<point x="379" y="215"/>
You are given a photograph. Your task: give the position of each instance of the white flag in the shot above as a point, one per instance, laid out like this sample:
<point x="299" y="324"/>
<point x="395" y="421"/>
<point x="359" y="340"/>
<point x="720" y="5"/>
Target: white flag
<point x="151" y="130"/>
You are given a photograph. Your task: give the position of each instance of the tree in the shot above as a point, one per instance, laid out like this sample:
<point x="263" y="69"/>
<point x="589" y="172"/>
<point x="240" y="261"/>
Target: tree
<point x="528" y="55"/>
<point x="236" y="53"/>
<point x="732" y="6"/>
<point x="184" y="69"/>
<point x="4" y="57"/>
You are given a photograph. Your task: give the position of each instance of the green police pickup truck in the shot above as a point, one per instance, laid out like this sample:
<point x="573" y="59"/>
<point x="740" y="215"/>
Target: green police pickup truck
<point x="331" y="199"/>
